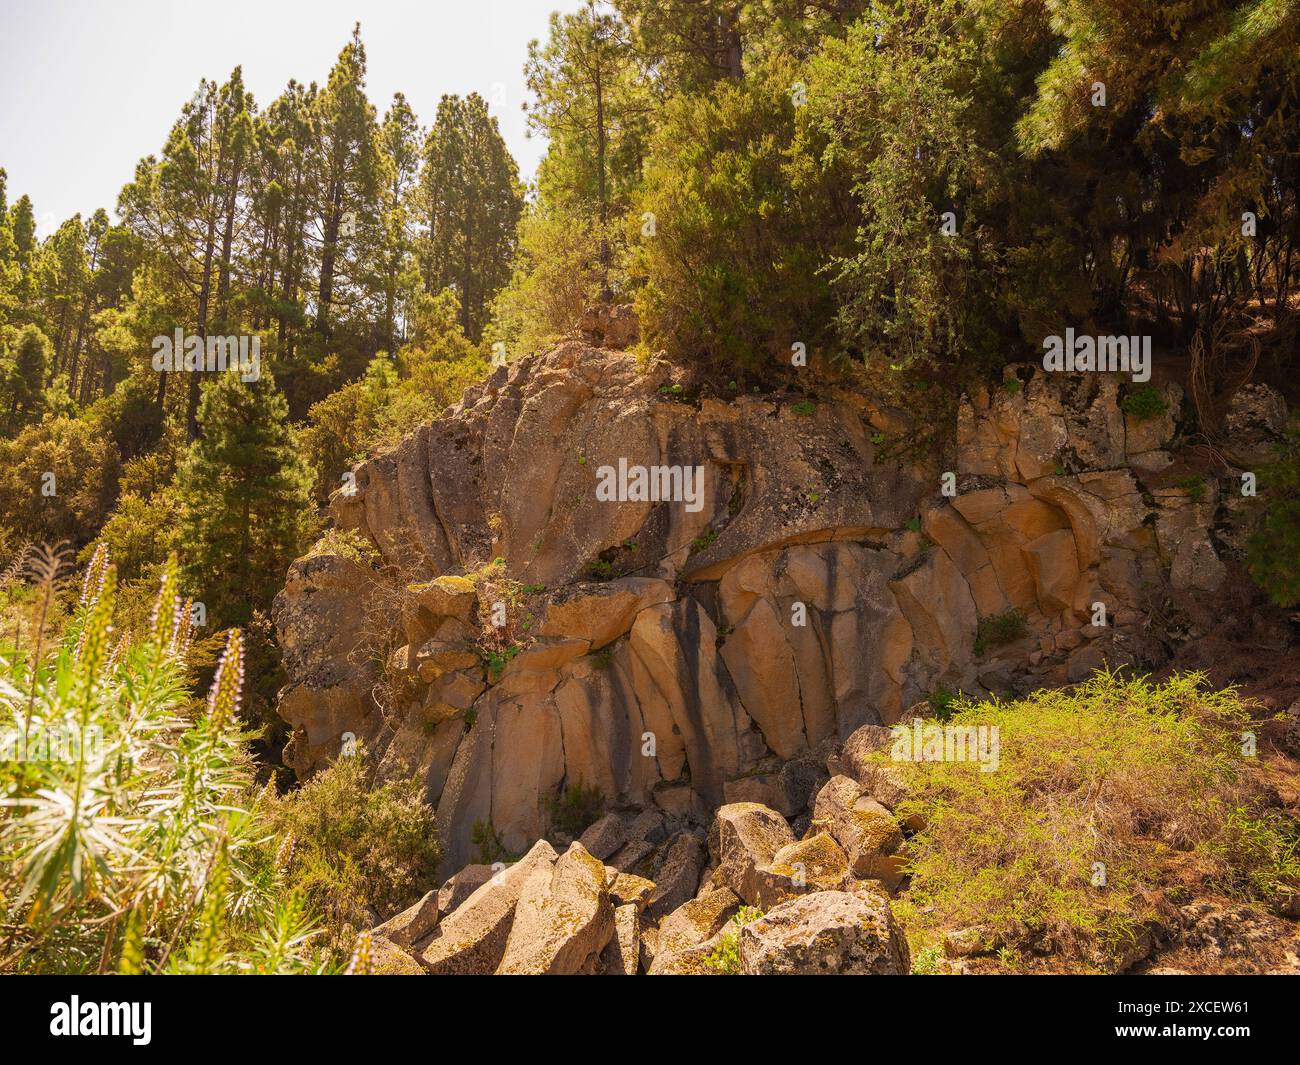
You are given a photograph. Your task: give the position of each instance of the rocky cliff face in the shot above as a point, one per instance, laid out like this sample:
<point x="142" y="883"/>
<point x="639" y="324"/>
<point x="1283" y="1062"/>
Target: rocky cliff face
<point x="682" y="654"/>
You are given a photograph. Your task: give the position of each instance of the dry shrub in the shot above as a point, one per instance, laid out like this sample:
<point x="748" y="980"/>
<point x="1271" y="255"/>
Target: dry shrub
<point x="1119" y="776"/>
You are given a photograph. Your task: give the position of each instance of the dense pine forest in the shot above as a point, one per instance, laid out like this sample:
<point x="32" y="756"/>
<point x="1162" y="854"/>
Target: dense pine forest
<point x="909" y="195"/>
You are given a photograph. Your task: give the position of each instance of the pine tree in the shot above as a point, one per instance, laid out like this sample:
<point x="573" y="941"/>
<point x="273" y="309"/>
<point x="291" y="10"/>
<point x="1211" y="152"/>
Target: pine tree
<point x="588" y="101"/>
<point x="246" y="510"/>
<point x="8" y="259"/>
<point x="471" y="201"/>
<point x="183" y="206"/>
<point x="22" y="227"/>
<point x="345" y="174"/>
<point x="394" y="268"/>
<point x="32" y="359"/>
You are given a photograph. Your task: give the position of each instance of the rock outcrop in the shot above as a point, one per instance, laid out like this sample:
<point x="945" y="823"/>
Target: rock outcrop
<point x="696" y="599"/>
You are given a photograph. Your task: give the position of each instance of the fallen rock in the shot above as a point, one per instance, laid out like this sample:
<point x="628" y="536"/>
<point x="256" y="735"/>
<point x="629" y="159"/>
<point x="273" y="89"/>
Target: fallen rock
<point x="472" y="939"/>
<point x="413" y="923"/>
<point x="563" y="920"/>
<point x="827" y="933"/>
<point x="635" y="855"/>
<point x="679" y="874"/>
<point x="450" y="597"/>
<point x="860" y="752"/>
<point x="743" y="841"/>
<point x="863" y="827"/>
<point x="622" y="955"/>
<point x="458" y="887"/>
<point x="605" y="836"/>
<point x="685" y="935"/>
<point x="388" y="959"/>
<point x="628" y="888"/>
<point x="814" y="864"/>
<point x="972" y="941"/>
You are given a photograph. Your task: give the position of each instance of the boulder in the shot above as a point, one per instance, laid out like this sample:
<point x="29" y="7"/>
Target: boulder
<point x="458" y="887"/>
<point x="628" y="889"/>
<point x="814" y="864"/>
<point x="388" y="959"/>
<point x="743" y="841"/>
<point x="605" y="836"/>
<point x="678" y="876"/>
<point x="413" y="923"/>
<point x="684" y="937"/>
<point x="826" y="933"/>
<point x="472" y="938"/>
<point x="563" y="920"/>
<point x="863" y="827"/>
<point x="860" y="752"/>
<point x="449" y="596"/>
<point x="622" y="955"/>
<point x="971" y="941"/>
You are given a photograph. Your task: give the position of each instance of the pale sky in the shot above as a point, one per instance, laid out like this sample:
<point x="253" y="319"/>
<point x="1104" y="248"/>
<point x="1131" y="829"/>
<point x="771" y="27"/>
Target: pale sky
<point x="89" y="88"/>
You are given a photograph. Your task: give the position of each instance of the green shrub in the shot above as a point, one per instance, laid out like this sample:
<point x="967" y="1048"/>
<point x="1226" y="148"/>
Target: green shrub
<point x="704" y="541"/>
<point x="1273" y="553"/>
<point x="1194" y="486"/>
<point x="995" y="630"/>
<point x="1143" y="402"/>
<point x="944" y="702"/>
<point x="1117" y="776"/>
<point x="360" y="853"/>
<point x="725" y="956"/>
<point x="491" y="847"/>
<point x="576" y="807"/>
<point x="734" y="273"/>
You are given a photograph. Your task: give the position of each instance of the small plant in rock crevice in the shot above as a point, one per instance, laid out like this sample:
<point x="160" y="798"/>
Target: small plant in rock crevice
<point x="997" y="630"/>
<point x="575" y="808"/>
<point x="725" y="956"/>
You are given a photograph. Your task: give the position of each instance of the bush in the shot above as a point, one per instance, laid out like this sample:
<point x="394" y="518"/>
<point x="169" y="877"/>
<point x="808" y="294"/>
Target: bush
<point x="1273" y="553"/>
<point x="556" y="277"/>
<point x="85" y="467"/>
<point x="725" y="957"/>
<point x="577" y="807"/>
<point x="742" y="228"/>
<point x="996" y="630"/>
<point x="359" y="853"/>
<point x="1143" y="402"/>
<point x="1121" y="777"/>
